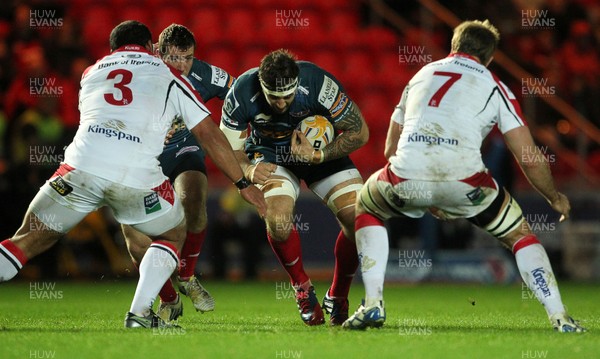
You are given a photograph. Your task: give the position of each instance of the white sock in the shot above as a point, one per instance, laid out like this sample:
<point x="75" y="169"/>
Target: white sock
<point x="373" y="251"/>
<point x="537" y="274"/>
<point x="156" y="268"/>
<point x="12" y="260"/>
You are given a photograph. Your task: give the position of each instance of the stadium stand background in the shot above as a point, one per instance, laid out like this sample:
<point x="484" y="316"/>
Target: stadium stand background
<point x="46" y="45"/>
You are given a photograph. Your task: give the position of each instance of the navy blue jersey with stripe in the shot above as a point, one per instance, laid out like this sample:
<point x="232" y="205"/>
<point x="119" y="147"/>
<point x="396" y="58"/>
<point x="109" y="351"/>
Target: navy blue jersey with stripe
<point x="210" y="82"/>
<point x="318" y="93"/>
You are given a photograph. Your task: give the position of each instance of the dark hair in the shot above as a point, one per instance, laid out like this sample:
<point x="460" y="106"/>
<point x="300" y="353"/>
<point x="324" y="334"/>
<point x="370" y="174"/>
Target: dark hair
<point x="129" y="32"/>
<point x="176" y="35"/>
<point x="476" y="38"/>
<point x="277" y="68"/>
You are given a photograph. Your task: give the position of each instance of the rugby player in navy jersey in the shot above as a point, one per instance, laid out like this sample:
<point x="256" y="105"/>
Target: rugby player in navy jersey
<point x="183" y="162"/>
<point x="260" y="116"/>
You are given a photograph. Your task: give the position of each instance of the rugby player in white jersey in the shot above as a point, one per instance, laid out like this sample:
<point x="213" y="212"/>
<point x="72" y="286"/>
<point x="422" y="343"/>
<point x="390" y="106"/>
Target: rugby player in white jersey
<point x="433" y="146"/>
<point x="127" y="101"/>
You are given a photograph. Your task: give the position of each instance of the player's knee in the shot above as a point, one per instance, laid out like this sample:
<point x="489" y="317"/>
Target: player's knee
<point x="279" y="230"/>
<point x="137" y="251"/>
<point x="346" y="217"/>
<point x="280" y="217"/>
<point x="513" y="237"/>
<point x="279" y="226"/>
<point x="137" y="243"/>
<point x="197" y="222"/>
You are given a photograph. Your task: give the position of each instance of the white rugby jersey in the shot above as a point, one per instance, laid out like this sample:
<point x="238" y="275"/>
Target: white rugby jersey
<point x="127" y="102"/>
<point x="446" y="111"/>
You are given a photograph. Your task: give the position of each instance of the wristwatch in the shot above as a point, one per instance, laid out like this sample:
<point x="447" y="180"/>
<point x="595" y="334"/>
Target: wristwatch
<point x="242" y="183"/>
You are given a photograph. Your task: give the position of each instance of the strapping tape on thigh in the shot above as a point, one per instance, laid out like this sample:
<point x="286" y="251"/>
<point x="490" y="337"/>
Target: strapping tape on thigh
<point x="509" y="218"/>
<point x="337" y="206"/>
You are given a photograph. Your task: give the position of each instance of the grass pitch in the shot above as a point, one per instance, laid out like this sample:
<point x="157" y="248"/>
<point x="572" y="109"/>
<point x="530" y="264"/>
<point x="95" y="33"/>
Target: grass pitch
<point x="260" y="320"/>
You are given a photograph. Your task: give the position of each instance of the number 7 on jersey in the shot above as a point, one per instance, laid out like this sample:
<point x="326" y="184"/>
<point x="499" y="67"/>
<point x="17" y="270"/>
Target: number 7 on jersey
<point x="437" y="96"/>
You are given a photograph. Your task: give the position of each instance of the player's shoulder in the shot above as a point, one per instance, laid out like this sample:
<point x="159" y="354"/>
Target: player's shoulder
<point x="205" y="70"/>
<point x="242" y="94"/>
<point x="209" y="75"/>
<point x="200" y="68"/>
<point x="311" y="73"/>
<point x="247" y="82"/>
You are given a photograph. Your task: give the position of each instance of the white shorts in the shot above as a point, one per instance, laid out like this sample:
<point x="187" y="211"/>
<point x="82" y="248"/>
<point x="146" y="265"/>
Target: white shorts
<point x="70" y="194"/>
<point x="448" y="200"/>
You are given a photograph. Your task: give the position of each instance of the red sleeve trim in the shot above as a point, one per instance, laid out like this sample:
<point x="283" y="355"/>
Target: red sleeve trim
<point x="189" y="86"/>
<point x="514" y="102"/>
<point x="366" y="220"/>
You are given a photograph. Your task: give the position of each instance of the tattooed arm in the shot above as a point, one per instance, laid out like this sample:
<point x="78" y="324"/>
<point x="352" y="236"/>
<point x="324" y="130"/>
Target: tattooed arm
<point x="355" y="134"/>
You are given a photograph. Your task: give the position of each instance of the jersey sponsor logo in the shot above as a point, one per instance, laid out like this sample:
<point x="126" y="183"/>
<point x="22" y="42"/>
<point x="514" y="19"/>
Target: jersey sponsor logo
<point x="468" y="66"/>
<point x="540" y="281"/>
<point x="152" y="203"/>
<point x="187" y="149"/>
<point x="476" y="196"/>
<point x="328" y="92"/>
<point x="339" y="105"/>
<point x="432" y="140"/>
<point x="219" y="76"/>
<point x="111" y="132"/>
<point x="60" y="186"/>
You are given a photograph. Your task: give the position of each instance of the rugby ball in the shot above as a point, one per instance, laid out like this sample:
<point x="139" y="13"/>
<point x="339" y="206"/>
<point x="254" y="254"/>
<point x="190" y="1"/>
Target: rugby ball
<point x="318" y="131"/>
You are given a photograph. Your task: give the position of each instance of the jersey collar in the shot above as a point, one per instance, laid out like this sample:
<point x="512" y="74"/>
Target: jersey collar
<point x="462" y="54"/>
<point x="134" y="48"/>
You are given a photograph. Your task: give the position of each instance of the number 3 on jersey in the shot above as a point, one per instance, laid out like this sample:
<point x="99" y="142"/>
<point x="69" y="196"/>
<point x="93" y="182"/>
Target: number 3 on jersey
<point x="126" y="94"/>
<point x="437" y="96"/>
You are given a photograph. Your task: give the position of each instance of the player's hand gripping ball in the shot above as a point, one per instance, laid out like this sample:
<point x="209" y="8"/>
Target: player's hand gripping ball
<point x="318" y="131"/>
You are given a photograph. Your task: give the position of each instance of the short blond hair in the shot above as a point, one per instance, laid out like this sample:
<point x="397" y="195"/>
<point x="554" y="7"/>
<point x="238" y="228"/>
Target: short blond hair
<point x="476" y="38"/>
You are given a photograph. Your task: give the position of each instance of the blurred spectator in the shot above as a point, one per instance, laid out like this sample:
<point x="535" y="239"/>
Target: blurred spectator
<point x="236" y="222"/>
<point x="581" y="64"/>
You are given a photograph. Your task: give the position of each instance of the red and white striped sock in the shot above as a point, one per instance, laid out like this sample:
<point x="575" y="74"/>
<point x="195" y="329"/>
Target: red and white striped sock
<point x="536" y="271"/>
<point x="12" y="259"/>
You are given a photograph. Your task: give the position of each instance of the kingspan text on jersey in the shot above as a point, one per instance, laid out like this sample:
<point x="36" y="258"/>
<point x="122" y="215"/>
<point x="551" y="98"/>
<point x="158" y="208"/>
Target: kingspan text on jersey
<point x="109" y="132"/>
<point x="431" y="140"/>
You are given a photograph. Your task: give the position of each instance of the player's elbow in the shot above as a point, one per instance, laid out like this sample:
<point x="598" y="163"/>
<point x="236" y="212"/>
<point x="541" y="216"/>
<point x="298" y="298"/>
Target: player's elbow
<point x="363" y="136"/>
<point x="389" y="152"/>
